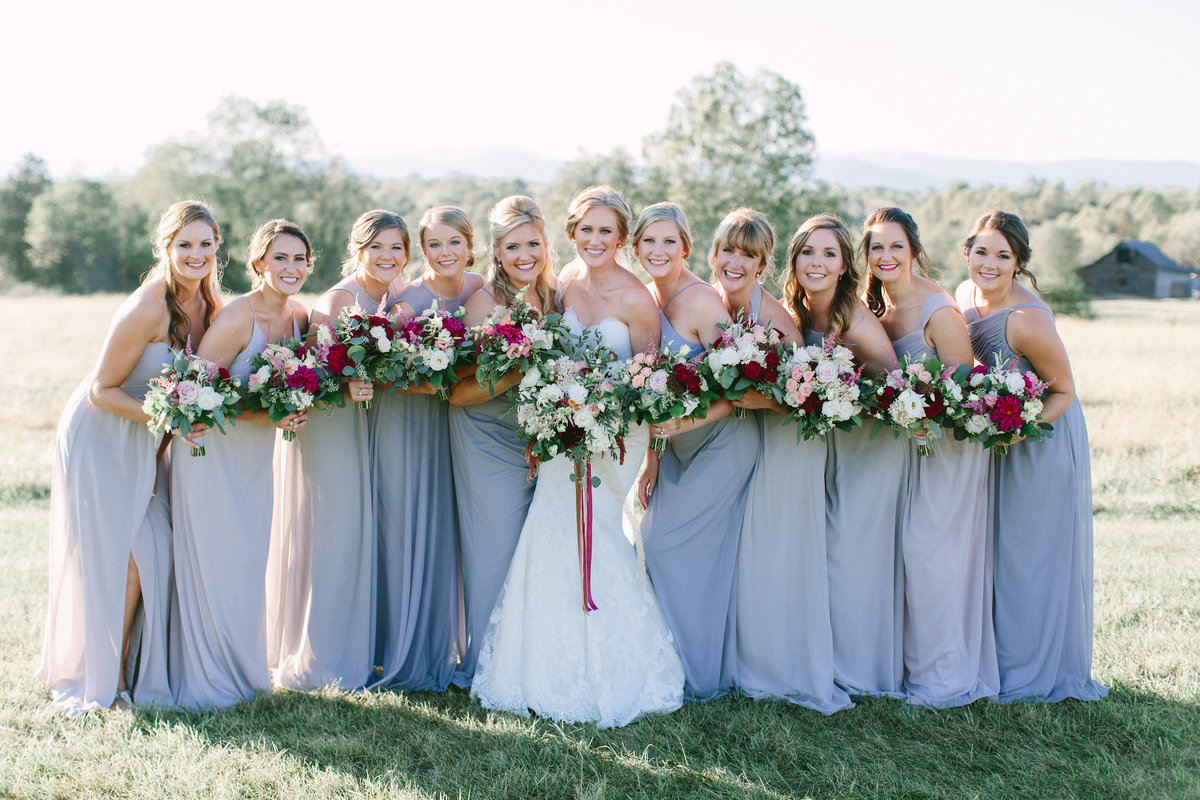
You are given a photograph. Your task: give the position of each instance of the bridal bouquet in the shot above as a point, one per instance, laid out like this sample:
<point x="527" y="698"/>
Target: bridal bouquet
<point x="745" y="356"/>
<point x="917" y="396"/>
<point x="515" y="337"/>
<point x="190" y="390"/>
<point x="820" y="386"/>
<point x="429" y="347"/>
<point x="569" y="406"/>
<point x="289" y="377"/>
<point x="1002" y="404"/>
<point x="659" y="385"/>
<point x="362" y="346"/>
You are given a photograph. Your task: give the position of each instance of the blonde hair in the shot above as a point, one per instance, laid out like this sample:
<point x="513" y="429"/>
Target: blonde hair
<point x="177" y="217"/>
<point x="260" y="243"/>
<point x="747" y="230"/>
<point x="505" y="217"/>
<point x="599" y="197"/>
<point x="456" y="218"/>
<point x="664" y="212"/>
<point x="369" y="226"/>
<point x="849" y="283"/>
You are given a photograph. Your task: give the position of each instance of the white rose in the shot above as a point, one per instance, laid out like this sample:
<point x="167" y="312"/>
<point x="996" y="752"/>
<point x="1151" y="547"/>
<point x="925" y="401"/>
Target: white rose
<point x="728" y="357"/>
<point x="208" y="399"/>
<point x="976" y="424"/>
<point x="187" y="392"/>
<point x="976" y="380"/>
<point x="954" y="390"/>
<point x="827" y="372"/>
<point x="436" y="360"/>
<point x="531" y="378"/>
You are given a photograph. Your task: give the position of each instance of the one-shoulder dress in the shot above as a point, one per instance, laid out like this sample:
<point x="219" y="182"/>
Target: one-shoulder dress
<point x="321" y="571"/>
<point x="1042" y="516"/>
<point x="416" y="531"/>
<point x="221" y="507"/>
<point x="865" y="484"/>
<point x="945" y="540"/>
<point x="108" y="502"/>
<point x="542" y="652"/>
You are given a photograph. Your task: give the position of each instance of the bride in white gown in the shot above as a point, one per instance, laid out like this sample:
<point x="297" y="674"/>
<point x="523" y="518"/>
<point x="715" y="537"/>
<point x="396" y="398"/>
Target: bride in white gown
<point x="541" y="652"/>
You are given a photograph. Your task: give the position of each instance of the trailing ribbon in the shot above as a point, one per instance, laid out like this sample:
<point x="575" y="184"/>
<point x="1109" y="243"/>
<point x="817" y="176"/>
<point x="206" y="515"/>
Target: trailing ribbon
<point x="583" y="527"/>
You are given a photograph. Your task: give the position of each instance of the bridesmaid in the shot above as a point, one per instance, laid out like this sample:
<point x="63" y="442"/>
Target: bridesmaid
<point x="694" y="516"/>
<point x="785" y="636"/>
<point x="221" y="504"/>
<point x="945" y="542"/>
<point x="492" y="488"/>
<point x="864" y="477"/>
<point x="416" y="523"/>
<point x="1041" y="491"/>
<point x="110" y="529"/>
<point x="321" y="585"/>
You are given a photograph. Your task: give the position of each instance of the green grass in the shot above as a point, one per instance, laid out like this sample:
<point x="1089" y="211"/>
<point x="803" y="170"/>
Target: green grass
<point x="1144" y="741"/>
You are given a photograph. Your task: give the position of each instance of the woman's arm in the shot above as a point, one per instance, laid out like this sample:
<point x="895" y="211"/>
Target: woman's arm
<point x="137" y="322"/>
<point x="948" y="334"/>
<point x="1031" y="332"/>
<point x="468" y="391"/>
<point x="869" y="342"/>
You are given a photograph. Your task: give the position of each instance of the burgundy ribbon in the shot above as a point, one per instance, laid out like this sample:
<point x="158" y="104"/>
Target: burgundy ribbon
<point x="583" y="527"/>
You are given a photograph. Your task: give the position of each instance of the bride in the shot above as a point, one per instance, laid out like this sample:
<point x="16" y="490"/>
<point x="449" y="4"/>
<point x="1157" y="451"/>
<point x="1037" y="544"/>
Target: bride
<point x="541" y="652"/>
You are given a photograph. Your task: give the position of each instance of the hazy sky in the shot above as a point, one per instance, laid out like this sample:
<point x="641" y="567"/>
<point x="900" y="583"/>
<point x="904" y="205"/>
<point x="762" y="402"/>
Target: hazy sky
<point x="91" y="86"/>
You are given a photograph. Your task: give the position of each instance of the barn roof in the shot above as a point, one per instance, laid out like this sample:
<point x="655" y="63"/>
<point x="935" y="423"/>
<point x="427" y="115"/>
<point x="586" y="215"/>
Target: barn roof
<point x="1151" y="253"/>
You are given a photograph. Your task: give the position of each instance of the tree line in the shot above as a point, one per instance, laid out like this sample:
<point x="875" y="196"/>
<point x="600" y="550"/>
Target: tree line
<point x="730" y="139"/>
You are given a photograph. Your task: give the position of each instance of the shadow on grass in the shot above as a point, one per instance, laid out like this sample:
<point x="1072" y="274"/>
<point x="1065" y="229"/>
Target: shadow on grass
<point x="1134" y="744"/>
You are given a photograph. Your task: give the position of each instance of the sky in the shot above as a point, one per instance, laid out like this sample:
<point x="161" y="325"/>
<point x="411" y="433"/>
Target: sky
<point x="91" y="87"/>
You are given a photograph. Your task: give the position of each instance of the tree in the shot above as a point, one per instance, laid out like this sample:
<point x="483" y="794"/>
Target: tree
<point x="75" y="232"/>
<point x="17" y="195"/>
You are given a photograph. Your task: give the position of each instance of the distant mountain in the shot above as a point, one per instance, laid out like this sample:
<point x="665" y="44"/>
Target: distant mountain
<point x="917" y="171"/>
<point x="489" y="162"/>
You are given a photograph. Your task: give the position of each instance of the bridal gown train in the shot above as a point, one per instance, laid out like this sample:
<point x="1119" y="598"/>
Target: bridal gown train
<point x="541" y="652"/>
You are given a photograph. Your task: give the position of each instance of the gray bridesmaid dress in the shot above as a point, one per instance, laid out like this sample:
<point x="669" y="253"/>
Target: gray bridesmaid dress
<point x="690" y="532"/>
<point x="865" y="484"/>
<point x="107" y="503"/>
<point x="416" y="531"/>
<point x="221" y="513"/>
<point x="492" y="492"/>
<point x="1042" y="513"/>
<point x="945" y="542"/>
<point x="321" y="575"/>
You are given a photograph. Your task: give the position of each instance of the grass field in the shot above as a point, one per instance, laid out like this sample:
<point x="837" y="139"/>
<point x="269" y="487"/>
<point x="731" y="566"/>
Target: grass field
<point x="1138" y="371"/>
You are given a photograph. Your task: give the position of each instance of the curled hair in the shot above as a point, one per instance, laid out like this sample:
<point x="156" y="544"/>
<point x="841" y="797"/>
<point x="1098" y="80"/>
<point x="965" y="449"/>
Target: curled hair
<point x="261" y="240"/>
<point x="173" y="220"/>
<point x="747" y="230"/>
<point x="875" y="299"/>
<point x="505" y="217"/>
<point x="849" y="283"/>
<point x="1013" y="230"/>
<point x="664" y="212"/>
<point x="367" y="228"/>
<point x="599" y="197"/>
<point x="456" y="218"/>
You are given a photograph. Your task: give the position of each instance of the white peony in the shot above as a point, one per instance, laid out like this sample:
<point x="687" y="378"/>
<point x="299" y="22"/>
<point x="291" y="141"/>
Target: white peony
<point x="728" y="356"/>
<point x="549" y="395"/>
<point x="576" y="393"/>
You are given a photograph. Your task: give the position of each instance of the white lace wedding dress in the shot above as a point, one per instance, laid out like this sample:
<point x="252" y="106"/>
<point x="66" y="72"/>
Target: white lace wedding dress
<point x="541" y="652"/>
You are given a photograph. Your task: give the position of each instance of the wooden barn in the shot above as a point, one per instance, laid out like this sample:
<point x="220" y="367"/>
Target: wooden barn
<point x="1138" y="269"/>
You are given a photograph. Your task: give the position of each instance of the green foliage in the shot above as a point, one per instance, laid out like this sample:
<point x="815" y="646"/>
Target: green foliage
<point x="74" y="237"/>
<point x="17" y="195"/>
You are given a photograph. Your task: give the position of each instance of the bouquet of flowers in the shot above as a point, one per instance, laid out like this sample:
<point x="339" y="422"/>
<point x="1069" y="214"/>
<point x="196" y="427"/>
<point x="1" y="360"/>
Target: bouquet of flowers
<point x="916" y="396"/>
<point x="1002" y="403"/>
<point x="745" y="356"/>
<point x="362" y="346"/>
<point x="659" y="385"/>
<point x="429" y="347"/>
<point x="820" y="385"/>
<point x="515" y="336"/>
<point x="190" y="390"/>
<point x="570" y="407"/>
<point x="289" y="377"/>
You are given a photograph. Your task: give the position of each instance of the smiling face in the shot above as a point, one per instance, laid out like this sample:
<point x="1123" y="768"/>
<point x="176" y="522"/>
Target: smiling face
<point x="736" y="268"/>
<point x="384" y="258"/>
<point x="990" y="261"/>
<point x="889" y="254"/>
<point x="445" y="249"/>
<point x="661" y="250"/>
<point x="193" y="253"/>
<point x="284" y="268"/>
<point x="819" y="263"/>
<point x="522" y="254"/>
<point x="598" y="237"/>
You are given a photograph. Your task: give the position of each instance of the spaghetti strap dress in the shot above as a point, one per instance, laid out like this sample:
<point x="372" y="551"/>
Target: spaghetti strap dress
<point x="690" y="534"/>
<point x="321" y="574"/>
<point x="865" y="485"/>
<point x="416" y="531"/>
<point x="221" y="507"/>
<point x="108" y="502"/>
<point x="945" y="542"/>
<point x="1042" y="516"/>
